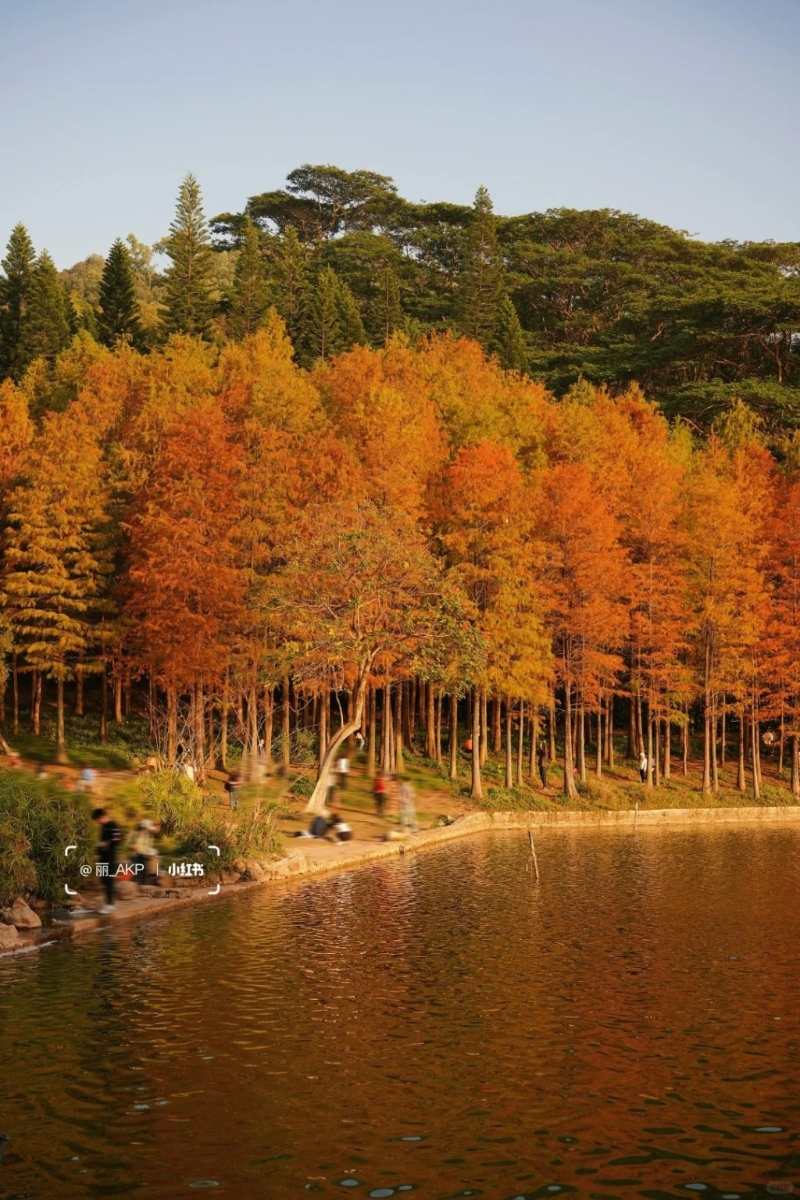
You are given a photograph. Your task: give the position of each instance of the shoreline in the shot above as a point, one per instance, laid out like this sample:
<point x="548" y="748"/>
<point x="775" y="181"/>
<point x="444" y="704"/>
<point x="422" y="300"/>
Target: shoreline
<point x="299" y="865"/>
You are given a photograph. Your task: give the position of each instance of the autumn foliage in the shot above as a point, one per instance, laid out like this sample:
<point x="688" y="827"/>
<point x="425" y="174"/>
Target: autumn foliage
<point x="402" y="527"/>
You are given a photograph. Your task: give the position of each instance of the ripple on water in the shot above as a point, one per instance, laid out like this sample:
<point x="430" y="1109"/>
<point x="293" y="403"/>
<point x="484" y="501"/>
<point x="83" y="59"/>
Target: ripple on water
<point x="271" y="1042"/>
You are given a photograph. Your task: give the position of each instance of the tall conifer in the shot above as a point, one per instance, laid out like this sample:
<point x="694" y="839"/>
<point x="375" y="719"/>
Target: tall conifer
<point x="119" y="312"/>
<point x="189" y="281"/>
<point x="508" y="339"/>
<point x="251" y="290"/>
<point x="57" y="553"/>
<point x="290" y="282"/>
<point x="18" y="266"/>
<point x="386" y="309"/>
<point x="481" y="286"/>
<point x="47" y="327"/>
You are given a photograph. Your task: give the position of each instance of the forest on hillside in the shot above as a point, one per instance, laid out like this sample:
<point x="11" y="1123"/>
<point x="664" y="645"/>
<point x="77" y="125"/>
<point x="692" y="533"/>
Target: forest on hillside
<point x="603" y="296"/>
<point x="296" y="501"/>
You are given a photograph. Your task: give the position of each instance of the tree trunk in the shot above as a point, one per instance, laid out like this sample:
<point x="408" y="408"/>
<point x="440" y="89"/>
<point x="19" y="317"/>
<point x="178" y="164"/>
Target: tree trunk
<point x="172" y="725"/>
<point x="552" y="731"/>
<point x="795" y="771"/>
<point x="569" y="769"/>
<point x="252" y="729"/>
<point x="199" y="739"/>
<point x="118" y="694"/>
<point x="598" y="748"/>
<point x="632" y="751"/>
<point x="103" y="705"/>
<point x="323" y="733"/>
<point x="36" y="701"/>
<point x="373" y="721"/>
<point x="269" y="721"/>
<point x="707" y="731"/>
<point x="520" y="740"/>
<point x="741" y="781"/>
<point x="649" y="748"/>
<point x="453" y="746"/>
<point x="223" y="720"/>
<point x="15" y="692"/>
<point x="430" y="722"/>
<point x="484" y="715"/>
<point x="211" y="736"/>
<point x="79" y="700"/>
<point x="408" y="715"/>
<point x="781" y="743"/>
<point x="509" y="761"/>
<point x="439" y="695"/>
<point x="286" y="729"/>
<point x="756" y="773"/>
<point x="399" y="765"/>
<point x="497" y="740"/>
<point x="386" y="730"/>
<point x="317" y="799"/>
<point x="685" y="743"/>
<point x="477" y="786"/>
<point x="714" y="766"/>
<point x="667" y="748"/>
<point x="639" y="723"/>
<point x="657" y="759"/>
<point x="610" y="733"/>
<point x="61" y="743"/>
<point x="534" y="737"/>
<point x="724" y="738"/>
<point x="581" y="729"/>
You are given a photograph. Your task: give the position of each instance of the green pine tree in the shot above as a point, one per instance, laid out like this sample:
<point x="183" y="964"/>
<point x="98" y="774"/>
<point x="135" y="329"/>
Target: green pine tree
<point x="251" y="291"/>
<point x="290" y="283"/>
<point x="321" y="336"/>
<point x="387" y="314"/>
<point x="18" y="267"/>
<point x="47" y="327"/>
<point x="481" y="285"/>
<point x="508" y="339"/>
<point x="119" y="313"/>
<point x="350" y="323"/>
<point x="189" y="281"/>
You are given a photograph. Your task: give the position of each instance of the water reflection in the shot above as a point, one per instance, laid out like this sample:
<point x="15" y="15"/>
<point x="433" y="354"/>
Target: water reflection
<point x="435" y="1025"/>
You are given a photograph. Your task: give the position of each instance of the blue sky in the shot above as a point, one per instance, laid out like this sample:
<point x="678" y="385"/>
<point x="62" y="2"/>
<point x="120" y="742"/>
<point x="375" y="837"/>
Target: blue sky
<point x="682" y="110"/>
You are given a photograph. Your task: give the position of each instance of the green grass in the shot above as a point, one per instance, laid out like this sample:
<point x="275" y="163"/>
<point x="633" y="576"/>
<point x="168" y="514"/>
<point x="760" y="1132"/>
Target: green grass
<point x="125" y="742"/>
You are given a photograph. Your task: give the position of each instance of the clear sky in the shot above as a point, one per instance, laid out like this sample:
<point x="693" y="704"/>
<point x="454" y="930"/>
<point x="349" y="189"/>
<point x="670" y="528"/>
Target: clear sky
<point x="685" y="111"/>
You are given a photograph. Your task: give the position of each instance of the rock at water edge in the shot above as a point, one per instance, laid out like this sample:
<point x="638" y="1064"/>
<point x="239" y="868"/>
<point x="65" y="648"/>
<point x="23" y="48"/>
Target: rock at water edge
<point x="23" y="916"/>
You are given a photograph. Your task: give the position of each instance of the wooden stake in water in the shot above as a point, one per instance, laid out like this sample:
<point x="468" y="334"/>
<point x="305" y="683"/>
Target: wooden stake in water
<point x="533" y="855"/>
<point x="635" y="815"/>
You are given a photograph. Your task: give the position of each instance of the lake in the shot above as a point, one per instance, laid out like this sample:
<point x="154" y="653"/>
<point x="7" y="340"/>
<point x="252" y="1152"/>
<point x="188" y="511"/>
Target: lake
<point x="435" y="1025"/>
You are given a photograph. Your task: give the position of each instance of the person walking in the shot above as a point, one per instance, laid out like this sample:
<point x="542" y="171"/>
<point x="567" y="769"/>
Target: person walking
<point x="643" y="766"/>
<point x="379" y="792"/>
<point x="405" y="797"/>
<point x="343" y="769"/>
<point x="110" y="838"/>
<point x="232" y="786"/>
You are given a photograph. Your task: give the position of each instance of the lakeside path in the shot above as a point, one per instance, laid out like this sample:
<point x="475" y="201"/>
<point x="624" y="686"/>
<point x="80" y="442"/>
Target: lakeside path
<point x="317" y="859"/>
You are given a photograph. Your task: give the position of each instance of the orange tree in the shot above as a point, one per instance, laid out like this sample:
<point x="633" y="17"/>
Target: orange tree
<point x="359" y="585"/>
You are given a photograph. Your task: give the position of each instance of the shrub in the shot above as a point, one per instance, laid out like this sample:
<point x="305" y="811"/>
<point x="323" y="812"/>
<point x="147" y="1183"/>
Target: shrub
<point x="174" y="800"/>
<point x="302" y="786"/>
<point x="305" y="746"/>
<point x="37" y="822"/>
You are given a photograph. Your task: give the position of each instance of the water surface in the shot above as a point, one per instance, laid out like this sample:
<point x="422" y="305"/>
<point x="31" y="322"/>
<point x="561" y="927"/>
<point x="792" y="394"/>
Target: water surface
<point x="434" y="1025"/>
